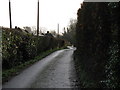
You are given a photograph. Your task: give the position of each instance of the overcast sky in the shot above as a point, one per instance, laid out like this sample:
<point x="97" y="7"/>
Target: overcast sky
<point x="52" y="12"/>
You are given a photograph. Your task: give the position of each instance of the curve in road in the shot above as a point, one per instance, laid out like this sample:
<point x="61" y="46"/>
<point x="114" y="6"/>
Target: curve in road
<point x="54" y="71"/>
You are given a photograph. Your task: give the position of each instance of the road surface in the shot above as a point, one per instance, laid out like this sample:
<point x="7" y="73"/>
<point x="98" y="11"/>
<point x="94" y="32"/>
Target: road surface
<point x="54" y="71"/>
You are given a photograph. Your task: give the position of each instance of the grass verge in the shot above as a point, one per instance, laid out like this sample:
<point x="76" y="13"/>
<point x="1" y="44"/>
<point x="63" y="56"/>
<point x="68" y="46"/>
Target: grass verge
<point x="8" y="74"/>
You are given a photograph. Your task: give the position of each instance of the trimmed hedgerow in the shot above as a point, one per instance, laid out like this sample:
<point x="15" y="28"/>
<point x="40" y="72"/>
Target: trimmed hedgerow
<point x="19" y="47"/>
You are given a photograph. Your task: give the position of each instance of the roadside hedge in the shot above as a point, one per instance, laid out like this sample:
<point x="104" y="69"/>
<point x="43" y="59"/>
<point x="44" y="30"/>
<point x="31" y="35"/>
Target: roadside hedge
<point x="19" y="47"/>
<point x="97" y="57"/>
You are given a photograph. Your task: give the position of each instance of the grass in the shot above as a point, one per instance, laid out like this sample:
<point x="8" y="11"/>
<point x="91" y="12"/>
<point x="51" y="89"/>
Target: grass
<point x="8" y="74"/>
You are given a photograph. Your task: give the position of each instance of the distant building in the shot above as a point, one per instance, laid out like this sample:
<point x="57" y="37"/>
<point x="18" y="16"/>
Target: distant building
<point x="49" y="34"/>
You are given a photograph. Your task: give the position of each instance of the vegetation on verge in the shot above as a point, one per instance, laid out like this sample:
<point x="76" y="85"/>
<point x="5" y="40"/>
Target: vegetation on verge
<point x="9" y="73"/>
<point x="19" y="49"/>
<point x="97" y="56"/>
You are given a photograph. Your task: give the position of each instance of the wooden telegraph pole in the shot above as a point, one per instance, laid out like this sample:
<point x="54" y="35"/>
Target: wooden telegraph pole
<point x="58" y="30"/>
<point x="38" y="20"/>
<point x="10" y="14"/>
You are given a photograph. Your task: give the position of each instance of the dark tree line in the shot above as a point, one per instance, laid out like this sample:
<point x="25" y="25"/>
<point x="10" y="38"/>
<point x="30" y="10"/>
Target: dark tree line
<point x="97" y="55"/>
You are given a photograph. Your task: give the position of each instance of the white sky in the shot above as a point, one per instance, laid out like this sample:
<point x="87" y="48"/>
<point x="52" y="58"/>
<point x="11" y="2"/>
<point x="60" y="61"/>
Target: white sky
<point x="52" y="12"/>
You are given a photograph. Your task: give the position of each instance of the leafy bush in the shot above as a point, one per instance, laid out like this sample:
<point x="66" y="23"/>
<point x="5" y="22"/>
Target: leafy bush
<point x="19" y="47"/>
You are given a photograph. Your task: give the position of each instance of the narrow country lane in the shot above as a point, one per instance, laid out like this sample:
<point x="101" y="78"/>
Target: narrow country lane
<point x="54" y="71"/>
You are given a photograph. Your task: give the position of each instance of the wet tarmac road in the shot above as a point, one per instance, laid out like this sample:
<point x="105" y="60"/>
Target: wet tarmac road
<point x="54" y="71"/>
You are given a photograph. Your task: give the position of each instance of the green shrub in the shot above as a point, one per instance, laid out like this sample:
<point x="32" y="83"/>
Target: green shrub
<point x="19" y="47"/>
